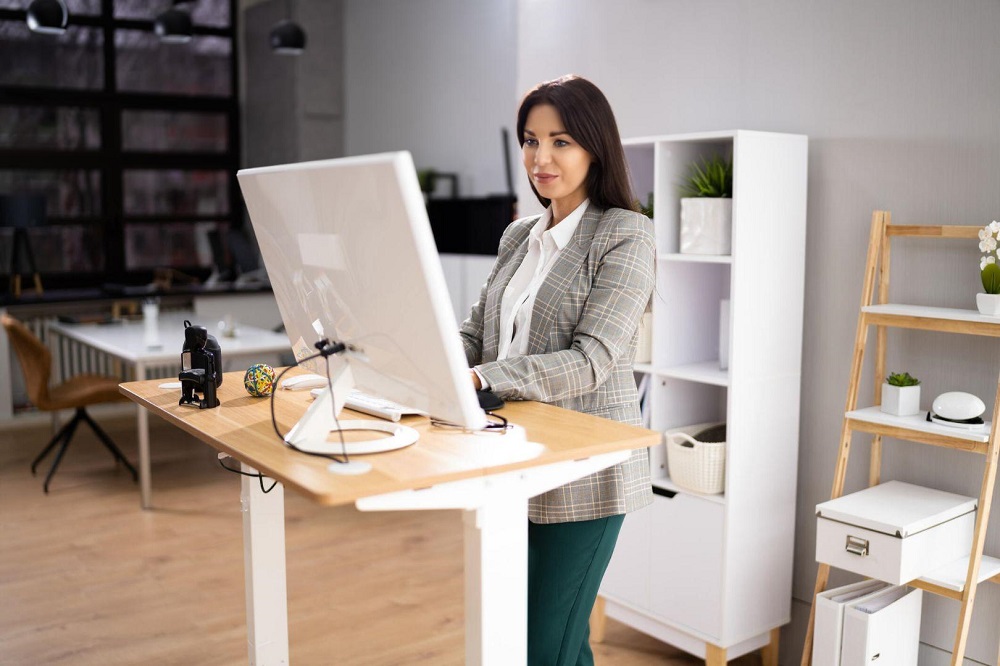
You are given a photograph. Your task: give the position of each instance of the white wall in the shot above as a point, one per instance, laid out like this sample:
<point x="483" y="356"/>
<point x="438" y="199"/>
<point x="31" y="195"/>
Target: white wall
<point x="435" y="77"/>
<point x="900" y="99"/>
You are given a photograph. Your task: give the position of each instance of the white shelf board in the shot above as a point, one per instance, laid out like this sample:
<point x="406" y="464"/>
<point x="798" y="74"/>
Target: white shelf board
<point x="918" y="422"/>
<point x="927" y="312"/>
<point x="645" y="368"/>
<point x="698" y="258"/>
<point x="952" y="575"/>
<point x="674" y="138"/>
<point x="707" y="372"/>
<point x="665" y="483"/>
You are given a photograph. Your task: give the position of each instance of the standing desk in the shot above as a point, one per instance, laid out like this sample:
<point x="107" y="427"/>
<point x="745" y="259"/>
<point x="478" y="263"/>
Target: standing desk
<point x="488" y="479"/>
<point x="125" y="342"/>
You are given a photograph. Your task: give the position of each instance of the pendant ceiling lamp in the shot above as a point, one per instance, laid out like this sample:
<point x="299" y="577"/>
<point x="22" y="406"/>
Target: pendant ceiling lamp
<point x="288" y="38"/>
<point x="174" y="25"/>
<point x="48" y="17"/>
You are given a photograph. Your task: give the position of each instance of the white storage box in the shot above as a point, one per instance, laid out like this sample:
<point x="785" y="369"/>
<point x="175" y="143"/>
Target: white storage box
<point x="895" y="532"/>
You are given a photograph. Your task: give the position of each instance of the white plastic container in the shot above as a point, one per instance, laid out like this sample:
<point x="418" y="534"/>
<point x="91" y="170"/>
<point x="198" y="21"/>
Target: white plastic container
<point x="151" y="324"/>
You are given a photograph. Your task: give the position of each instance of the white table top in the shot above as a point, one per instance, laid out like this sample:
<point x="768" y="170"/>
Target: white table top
<point x="126" y="339"/>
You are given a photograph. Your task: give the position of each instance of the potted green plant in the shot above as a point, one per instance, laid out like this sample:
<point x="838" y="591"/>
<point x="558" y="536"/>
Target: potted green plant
<point x="647" y="209"/>
<point x="901" y="394"/>
<point x="988" y="301"/>
<point x="707" y="207"/>
<point x="426" y="178"/>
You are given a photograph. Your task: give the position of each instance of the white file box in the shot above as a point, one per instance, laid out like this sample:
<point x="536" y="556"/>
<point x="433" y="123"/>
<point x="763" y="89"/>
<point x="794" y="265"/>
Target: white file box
<point x="828" y="630"/>
<point x="895" y="532"/>
<point x="883" y="629"/>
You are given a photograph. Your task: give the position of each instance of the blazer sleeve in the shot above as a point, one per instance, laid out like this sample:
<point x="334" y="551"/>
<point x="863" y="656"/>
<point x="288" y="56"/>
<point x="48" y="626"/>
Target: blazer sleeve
<point x="471" y="329"/>
<point x="622" y="285"/>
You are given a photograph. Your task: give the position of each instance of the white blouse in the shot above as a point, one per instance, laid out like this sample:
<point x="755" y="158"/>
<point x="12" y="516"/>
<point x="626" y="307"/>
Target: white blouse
<point x="544" y="246"/>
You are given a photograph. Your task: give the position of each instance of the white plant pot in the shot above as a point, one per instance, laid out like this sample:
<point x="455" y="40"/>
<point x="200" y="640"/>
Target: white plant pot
<point x="988" y="304"/>
<point x="706" y="226"/>
<point x="901" y="400"/>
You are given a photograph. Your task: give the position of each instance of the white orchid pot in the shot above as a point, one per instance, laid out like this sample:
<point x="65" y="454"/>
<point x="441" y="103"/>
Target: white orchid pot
<point x="901" y="400"/>
<point x="706" y="225"/>
<point x="988" y="304"/>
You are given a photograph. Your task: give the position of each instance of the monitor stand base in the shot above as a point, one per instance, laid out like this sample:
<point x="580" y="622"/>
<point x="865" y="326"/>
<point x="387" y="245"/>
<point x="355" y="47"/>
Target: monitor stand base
<point x="351" y="468"/>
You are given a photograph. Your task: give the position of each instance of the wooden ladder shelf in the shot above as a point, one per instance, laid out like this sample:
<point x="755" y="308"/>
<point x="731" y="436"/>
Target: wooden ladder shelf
<point x="961" y="582"/>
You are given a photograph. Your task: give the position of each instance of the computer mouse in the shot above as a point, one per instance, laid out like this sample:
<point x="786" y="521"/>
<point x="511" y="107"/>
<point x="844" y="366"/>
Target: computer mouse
<point x="302" y="382"/>
<point x="958" y="406"/>
<point x="489" y="401"/>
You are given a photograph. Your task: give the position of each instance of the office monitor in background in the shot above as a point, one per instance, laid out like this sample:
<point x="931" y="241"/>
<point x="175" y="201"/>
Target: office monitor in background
<point x="351" y="258"/>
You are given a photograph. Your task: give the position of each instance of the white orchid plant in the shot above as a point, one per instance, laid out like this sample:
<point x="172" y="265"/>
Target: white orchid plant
<point x="989" y="270"/>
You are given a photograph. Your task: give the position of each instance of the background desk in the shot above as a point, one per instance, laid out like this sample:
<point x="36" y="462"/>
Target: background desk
<point x="437" y="473"/>
<point x="124" y="341"/>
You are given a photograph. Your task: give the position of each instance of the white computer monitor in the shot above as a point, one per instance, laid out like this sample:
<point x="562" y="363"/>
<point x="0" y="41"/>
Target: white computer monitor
<point x="349" y="252"/>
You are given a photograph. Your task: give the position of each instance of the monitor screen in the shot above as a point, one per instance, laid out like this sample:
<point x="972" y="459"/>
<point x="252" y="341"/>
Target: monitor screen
<point x="350" y="255"/>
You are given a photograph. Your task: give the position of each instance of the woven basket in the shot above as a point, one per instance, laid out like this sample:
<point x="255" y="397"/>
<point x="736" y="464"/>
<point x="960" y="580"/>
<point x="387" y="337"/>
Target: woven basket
<point x="696" y="465"/>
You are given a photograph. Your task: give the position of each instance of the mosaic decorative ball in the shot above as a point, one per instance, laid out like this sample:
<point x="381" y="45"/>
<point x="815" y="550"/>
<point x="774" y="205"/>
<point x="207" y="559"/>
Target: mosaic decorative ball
<point x="259" y="380"/>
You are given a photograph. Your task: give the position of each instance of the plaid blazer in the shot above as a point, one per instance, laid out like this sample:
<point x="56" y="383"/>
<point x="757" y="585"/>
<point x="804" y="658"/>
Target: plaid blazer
<point x="584" y="330"/>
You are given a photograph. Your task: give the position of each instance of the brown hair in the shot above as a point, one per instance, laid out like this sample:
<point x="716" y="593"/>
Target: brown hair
<point x="588" y="118"/>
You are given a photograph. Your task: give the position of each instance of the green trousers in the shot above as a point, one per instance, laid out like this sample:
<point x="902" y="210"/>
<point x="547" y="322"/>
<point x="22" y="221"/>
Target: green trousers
<point x="566" y="562"/>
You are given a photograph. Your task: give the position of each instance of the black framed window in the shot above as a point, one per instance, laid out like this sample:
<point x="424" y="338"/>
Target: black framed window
<point x="132" y="143"/>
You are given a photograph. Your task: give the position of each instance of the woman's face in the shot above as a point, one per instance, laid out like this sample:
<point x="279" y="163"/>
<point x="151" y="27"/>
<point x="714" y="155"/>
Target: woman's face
<point x="555" y="162"/>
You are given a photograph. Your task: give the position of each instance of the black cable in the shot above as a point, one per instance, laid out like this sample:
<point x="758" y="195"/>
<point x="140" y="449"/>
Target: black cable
<point x="260" y="477"/>
<point x="325" y="351"/>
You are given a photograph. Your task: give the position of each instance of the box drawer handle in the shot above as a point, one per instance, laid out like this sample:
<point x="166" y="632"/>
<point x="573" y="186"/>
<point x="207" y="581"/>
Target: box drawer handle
<point x="857" y="546"/>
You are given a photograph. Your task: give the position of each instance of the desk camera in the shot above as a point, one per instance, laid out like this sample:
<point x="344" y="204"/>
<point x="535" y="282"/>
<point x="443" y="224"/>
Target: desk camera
<point x="201" y="367"/>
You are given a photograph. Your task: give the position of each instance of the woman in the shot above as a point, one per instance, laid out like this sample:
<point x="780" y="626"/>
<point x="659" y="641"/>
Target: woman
<point x="557" y="322"/>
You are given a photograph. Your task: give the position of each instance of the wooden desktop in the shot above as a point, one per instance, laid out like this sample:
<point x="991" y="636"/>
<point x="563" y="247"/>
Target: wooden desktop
<point x="435" y="473"/>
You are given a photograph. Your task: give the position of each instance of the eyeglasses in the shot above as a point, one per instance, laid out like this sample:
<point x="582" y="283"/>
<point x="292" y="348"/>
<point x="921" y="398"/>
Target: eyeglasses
<point x="498" y="427"/>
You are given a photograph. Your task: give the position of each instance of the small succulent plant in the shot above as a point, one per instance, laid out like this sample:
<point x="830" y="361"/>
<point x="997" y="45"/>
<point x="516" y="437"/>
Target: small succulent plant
<point x="901" y="379"/>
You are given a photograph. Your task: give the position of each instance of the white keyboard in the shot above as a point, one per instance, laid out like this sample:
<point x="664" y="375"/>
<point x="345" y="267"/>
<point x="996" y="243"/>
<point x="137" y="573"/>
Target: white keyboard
<point x="373" y="406"/>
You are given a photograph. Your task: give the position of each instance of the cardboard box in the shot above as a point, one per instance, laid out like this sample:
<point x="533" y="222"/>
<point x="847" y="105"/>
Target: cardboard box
<point x="895" y="532"/>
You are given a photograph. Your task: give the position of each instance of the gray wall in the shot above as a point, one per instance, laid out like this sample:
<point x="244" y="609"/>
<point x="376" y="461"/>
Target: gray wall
<point x="435" y="77"/>
<point x="900" y="99"/>
<point x="292" y="105"/>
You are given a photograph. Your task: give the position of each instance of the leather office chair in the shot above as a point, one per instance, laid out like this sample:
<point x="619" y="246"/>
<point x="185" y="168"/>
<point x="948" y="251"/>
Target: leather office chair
<point x="75" y="393"/>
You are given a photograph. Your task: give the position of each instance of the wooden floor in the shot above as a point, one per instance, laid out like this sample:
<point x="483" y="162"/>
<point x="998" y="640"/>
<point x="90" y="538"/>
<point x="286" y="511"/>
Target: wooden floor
<point x="86" y="577"/>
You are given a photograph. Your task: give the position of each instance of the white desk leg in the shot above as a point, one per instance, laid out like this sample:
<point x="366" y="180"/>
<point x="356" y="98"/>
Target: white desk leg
<point x="142" y="427"/>
<point x="264" y="570"/>
<point x="496" y="580"/>
<point x="495" y="513"/>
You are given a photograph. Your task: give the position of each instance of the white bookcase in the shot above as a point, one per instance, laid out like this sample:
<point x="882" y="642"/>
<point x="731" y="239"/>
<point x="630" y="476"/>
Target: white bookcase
<point x="712" y="575"/>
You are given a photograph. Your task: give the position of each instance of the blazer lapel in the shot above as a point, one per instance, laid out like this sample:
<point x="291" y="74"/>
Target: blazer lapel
<point x="553" y="288"/>
<point x="491" y="322"/>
